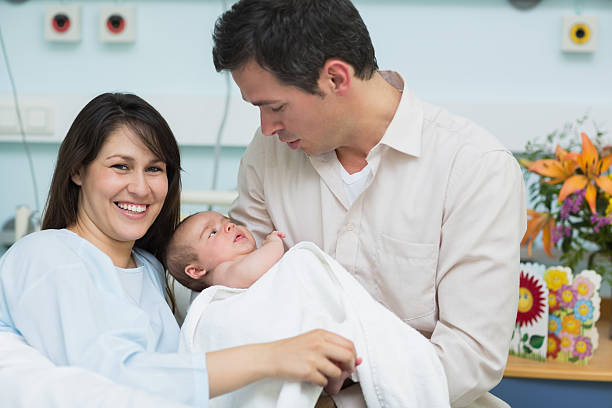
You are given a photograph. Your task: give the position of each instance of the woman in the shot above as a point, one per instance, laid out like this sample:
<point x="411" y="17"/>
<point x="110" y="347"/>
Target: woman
<point x="88" y="290"/>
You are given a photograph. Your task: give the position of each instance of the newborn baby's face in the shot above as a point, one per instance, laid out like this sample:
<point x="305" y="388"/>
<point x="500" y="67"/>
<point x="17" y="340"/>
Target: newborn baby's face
<point x="216" y="239"/>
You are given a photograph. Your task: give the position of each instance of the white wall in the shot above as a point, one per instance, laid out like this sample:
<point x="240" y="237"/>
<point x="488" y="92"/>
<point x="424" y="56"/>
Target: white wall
<point x="482" y="58"/>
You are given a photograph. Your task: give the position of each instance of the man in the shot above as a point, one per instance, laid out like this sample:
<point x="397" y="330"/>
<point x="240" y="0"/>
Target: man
<point x="424" y="208"/>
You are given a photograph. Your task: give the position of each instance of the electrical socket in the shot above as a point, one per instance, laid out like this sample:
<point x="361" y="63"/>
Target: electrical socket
<point x="63" y="23"/>
<point x="118" y="24"/>
<point x="579" y="34"/>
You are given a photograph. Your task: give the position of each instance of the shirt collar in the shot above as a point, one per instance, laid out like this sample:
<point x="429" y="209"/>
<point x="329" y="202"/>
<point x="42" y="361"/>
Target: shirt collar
<point x="405" y="130"/>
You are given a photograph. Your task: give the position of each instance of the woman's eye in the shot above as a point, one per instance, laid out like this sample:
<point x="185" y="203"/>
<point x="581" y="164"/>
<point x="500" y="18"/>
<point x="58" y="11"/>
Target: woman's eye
<point x="155" y="169"/>
<point x="279" y="109"/>
<point x="212" y="234"/>
<point x="120" y="166"/>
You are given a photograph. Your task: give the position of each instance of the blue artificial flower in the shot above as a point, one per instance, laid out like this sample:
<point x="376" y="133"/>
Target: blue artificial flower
<point x="554" y="324"/>
<point x="583" y="310"/>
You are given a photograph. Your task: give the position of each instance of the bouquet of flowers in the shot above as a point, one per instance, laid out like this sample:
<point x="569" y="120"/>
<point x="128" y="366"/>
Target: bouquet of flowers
<point x="571" y="193"/>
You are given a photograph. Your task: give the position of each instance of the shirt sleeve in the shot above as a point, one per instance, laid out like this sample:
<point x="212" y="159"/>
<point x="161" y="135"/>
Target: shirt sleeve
<point x="478" y="271"/>
<point x="76" y="318"/>
<point x="30" y="380"/>
<point x="250" y="206"/>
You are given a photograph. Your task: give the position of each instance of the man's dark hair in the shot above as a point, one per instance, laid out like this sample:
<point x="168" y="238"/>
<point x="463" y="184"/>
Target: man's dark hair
<point x="293" y="39"/>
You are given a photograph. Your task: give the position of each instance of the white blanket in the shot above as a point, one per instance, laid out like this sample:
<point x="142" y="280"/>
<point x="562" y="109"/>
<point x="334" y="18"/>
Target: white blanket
<point x="305" y="290"/>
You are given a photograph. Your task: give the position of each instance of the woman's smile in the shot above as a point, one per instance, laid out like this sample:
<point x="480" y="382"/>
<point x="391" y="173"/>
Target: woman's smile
<point x="132" y="208"/>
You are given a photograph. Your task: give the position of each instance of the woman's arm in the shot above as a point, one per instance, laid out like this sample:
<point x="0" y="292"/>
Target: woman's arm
<point x="314" y="357"/>
<point x="28" y="379"/>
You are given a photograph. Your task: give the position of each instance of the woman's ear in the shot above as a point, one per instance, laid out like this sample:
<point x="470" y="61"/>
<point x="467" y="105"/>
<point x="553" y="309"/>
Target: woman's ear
<point x="76" y="177"/>
<point x="336" y="76"/>
<point x="195" y="271"/>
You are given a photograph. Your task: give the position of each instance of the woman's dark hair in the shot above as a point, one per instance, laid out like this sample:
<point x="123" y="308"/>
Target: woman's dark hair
<point x="293" y="39"/>
<point x="98" y="119"/>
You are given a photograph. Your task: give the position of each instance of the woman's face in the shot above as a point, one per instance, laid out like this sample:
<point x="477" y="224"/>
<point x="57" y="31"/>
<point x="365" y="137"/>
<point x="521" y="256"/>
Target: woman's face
<point x="122" y="190"/>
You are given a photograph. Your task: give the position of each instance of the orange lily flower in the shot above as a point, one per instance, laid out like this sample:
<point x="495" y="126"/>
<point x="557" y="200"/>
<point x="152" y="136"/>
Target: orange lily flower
<point x="558" y="170"/>
<point x="539" y="221"/>
<point x="592" y="168"/>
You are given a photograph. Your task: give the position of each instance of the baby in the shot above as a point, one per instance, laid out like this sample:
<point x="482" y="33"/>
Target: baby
<point x="208" y="249"/>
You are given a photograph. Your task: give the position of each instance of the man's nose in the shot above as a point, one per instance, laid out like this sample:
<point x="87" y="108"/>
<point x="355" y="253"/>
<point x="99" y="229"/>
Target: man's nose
<point x="269" y="125"/>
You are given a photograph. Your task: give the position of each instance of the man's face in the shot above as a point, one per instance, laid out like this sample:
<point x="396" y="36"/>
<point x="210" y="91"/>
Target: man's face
<point x="216" y="239"/>
<point x="302" y="120"/>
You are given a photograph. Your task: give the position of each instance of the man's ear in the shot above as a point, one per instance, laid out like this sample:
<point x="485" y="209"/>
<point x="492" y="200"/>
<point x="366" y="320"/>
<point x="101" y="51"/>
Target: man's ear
<point x="336" y="76"/>
<point x="195" y="271"/>
<point x="77" y="178"/>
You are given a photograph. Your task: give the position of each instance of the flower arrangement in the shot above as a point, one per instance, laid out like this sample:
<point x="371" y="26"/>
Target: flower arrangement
<point x="556" y="314"/>
<point x="573" y="310"/>
<point x="572" y="196"/>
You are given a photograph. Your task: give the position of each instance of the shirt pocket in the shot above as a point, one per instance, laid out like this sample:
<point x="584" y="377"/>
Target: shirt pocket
<point x="405" y="277"/>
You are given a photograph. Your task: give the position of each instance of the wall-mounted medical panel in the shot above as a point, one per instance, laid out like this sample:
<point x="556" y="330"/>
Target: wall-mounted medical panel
<point x="37" y="119"/>
<point x="63" y="23"/>
<point x="117" y="24"/>
<point x="579" y="34"/>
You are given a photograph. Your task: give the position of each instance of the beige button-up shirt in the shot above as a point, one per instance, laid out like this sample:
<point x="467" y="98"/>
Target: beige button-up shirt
<point x="434" y="237"/>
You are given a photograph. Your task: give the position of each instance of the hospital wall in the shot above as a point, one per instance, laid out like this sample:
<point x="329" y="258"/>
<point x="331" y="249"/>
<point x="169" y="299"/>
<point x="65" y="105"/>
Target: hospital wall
<point x="484" y="59"/>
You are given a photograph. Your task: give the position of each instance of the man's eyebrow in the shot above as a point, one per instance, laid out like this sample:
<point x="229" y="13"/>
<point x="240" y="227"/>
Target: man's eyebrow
<point x="264" y="102"/>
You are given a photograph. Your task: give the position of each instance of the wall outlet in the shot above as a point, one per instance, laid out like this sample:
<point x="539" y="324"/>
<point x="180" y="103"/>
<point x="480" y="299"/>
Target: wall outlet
<point x="579" y="34"/>
<point x="63" y="23"/>
<point x="118" y="24"/>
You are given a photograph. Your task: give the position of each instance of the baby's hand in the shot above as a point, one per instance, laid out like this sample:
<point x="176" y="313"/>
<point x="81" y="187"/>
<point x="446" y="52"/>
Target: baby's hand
<point x="274" y="236"/>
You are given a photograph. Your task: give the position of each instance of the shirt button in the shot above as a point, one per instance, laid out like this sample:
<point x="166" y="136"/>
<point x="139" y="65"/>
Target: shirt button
<point x="350" y="227"/>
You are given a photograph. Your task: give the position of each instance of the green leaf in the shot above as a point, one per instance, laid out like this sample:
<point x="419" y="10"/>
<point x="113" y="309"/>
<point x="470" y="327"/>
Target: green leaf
<point x="525" y="337"/>
<point x="536" y="341"/>
<point x="527" y="350"/>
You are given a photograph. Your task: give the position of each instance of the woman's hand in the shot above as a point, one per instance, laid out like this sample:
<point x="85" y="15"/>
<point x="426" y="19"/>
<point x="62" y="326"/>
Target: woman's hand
<point x="335" y="384"/>
<point x="317" y="357"/>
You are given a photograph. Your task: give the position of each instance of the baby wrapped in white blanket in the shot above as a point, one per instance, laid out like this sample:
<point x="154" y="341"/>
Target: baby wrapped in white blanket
<point x="305" y="290"/>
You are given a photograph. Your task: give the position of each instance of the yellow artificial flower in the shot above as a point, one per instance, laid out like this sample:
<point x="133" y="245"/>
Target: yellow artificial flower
<point x="555" y="278"/>
<point x="566" y="342"/>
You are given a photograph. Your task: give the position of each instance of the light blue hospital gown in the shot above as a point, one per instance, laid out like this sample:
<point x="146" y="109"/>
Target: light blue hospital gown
<point x="68" y="300"/>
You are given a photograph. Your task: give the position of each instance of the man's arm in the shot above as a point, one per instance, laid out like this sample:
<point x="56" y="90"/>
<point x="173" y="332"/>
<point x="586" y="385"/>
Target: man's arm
<point x="478" y="271"/>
